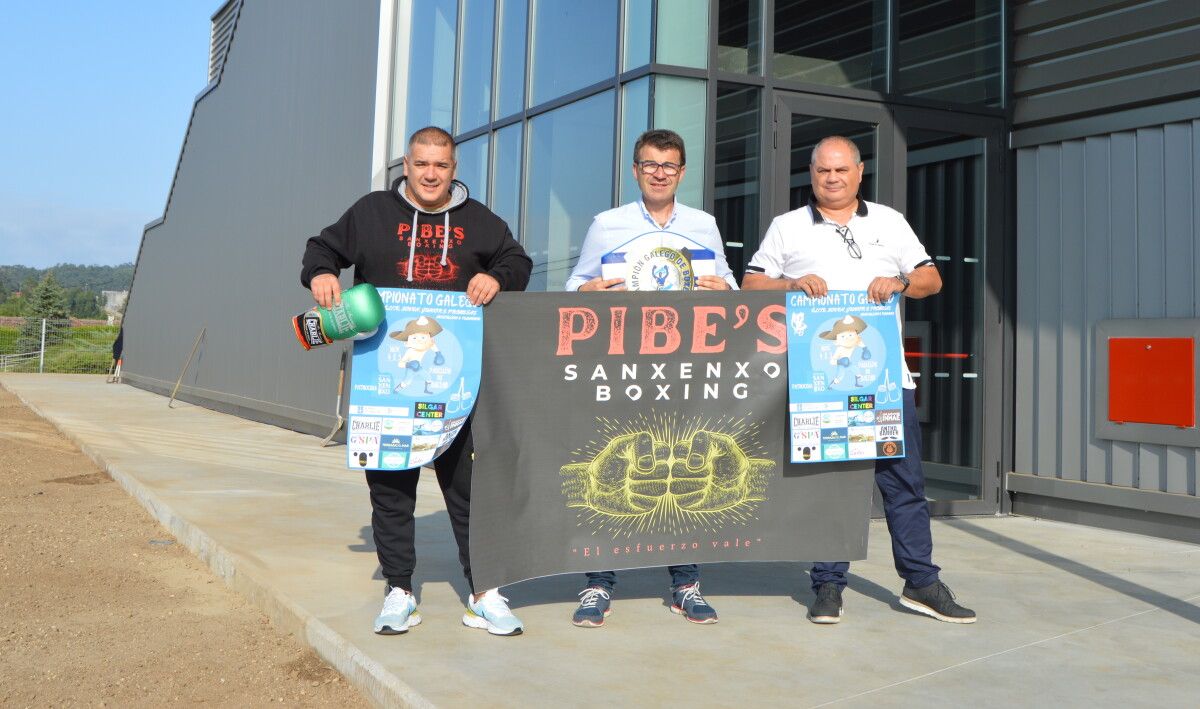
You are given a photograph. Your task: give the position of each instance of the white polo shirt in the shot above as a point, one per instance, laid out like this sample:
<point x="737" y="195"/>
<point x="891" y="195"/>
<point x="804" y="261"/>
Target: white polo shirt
<point x="803" y="242"/>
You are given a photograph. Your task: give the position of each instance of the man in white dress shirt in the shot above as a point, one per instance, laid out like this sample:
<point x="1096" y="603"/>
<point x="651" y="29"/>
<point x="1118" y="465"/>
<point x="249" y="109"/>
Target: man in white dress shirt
<point x="655" y="220"/>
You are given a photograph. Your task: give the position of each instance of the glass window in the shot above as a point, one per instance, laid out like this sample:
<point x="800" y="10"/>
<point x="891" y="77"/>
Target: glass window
<point x="506" y="176"/>
<point x="739" y="33"/>
<point x="735" y="203"/>
<point x="682" y="36"/>
<point x="637" y="33"/>
<point x="950" y="50"/>
<point x="472" y="166"/>
<point x="568" y="181"/>
<point x="838" y="44"/>
<point x="947" y="208"/>
<point x="635" y="120"/>
<point x="475" y="65"/>
<point x="574" y="45"/>
<point x="424" y="75"/>
<point x="510" y="57"/>
<point x="680" y="105"/>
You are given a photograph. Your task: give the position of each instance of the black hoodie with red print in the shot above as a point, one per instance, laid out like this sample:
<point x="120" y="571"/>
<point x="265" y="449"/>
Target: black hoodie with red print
<point x="394" y="244"/>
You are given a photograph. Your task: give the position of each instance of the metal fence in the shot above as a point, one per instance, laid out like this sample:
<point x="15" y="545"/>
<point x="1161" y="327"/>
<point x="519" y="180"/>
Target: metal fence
<point x="61" y="346"/>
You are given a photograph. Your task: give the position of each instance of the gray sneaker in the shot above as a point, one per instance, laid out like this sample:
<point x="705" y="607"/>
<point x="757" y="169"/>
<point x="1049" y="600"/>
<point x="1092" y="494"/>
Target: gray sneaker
<point x="937" y="601"/>
<point x="827" y="608"/>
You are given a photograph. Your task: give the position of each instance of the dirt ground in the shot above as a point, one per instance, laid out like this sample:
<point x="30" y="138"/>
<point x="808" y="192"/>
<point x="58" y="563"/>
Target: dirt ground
<point x="100" y="607"/>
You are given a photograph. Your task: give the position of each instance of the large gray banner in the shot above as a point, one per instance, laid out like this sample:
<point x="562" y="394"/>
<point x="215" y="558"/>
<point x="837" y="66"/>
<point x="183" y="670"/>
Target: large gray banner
<point x="625" y="430"/>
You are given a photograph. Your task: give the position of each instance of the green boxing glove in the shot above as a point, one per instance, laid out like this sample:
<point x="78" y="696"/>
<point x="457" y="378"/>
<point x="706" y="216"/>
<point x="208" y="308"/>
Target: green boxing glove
<point x="359" y="313"/>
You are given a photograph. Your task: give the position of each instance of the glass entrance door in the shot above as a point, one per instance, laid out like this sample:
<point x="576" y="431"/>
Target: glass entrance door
<point x="943" y="172"/>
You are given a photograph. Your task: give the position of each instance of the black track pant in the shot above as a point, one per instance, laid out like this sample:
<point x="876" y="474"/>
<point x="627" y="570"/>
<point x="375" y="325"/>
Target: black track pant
<point x="394" y="498"/>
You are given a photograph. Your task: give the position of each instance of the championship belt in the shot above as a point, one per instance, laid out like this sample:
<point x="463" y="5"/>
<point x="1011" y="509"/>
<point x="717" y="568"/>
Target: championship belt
<point x="658" y="268"/>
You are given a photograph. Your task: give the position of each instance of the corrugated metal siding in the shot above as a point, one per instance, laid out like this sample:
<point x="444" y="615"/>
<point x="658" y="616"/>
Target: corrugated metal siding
<point x="1106" y="228"/>
<point x="1073" y="59"/>
<point x="274" y="153"/>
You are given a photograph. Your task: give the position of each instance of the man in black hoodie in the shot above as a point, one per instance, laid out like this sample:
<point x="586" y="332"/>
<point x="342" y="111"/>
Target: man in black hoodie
<point x="425" y="232"/>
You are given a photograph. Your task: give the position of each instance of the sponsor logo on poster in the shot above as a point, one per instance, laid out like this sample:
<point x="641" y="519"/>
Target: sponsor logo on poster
<point x="834" y="420"/>
<point x="889" y="449"/>
<point x="806" y="436"/>
<point x="833" y="435"/>
<point x="806" y="420"/>
<point x="809" y="453"/>
<point x="365" y="424"/>
<point x="861" y="418"/>
<point x="860" y="402"/>
<point x="393" y="461"/>
<point x="862" y="450"/>
<point x="862" y="434"/>
<point x="889" y="432"/>
<point x="883" y="416"/>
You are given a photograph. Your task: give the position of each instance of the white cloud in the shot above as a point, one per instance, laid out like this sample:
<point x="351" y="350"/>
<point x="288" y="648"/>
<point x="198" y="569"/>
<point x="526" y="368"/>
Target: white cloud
<point x="40" y="234"/>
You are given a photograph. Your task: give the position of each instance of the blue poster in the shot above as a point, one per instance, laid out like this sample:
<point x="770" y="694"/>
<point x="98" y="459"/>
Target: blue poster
<point x="414" y="380"/>
<point x="845" y="378"/>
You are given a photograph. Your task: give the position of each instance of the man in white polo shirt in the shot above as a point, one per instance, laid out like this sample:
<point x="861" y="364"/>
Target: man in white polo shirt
<point x="656" y="219"/>
<point x="841" y="242"/>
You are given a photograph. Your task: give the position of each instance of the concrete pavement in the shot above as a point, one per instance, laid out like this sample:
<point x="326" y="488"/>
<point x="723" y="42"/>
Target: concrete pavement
<point x="1069" y="616"/>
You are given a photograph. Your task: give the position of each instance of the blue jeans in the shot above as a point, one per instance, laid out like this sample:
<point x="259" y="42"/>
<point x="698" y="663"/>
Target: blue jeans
<point x="683" y="575"/>
<point x="902" y="482"/>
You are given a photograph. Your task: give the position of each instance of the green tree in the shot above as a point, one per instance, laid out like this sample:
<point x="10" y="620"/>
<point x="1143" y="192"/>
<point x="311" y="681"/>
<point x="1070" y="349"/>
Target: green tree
<point x="12" y="307"/>
<point x="47" y="301"/>
<point x="84" y="304"/>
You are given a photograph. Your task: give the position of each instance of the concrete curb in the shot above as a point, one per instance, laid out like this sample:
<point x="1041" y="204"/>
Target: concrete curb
<point x="377" y="683"/>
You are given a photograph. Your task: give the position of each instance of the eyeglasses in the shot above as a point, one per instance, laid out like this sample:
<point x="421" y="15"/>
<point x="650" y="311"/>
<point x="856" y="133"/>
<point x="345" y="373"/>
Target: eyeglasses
<point x="848" y="238"/>
<point x="649" y="167"/>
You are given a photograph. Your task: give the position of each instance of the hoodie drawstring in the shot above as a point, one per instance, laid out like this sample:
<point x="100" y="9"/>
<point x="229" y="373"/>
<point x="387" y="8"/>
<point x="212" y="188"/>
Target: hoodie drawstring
<point x="446" y="238"/>
<point x="412" y="244"/>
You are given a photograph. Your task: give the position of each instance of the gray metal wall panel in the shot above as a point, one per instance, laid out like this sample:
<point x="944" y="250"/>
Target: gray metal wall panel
<point x="274" y="153"/>
<point x="1073" y="422"/>
<point x="1178" y="281"/>
<point x="1106" y="228"/>
<point x="1151" y="293"/>
<point x="1097" y="289"/>
<point x="1073" y="59"/>
<point x="1122" y="207"/>
<point x="1049" y="308"/>
<point x="1024" y="347"/>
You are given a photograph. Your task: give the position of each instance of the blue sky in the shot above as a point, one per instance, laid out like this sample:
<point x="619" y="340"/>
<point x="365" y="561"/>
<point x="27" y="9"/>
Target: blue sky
<point x="95" y="102"/>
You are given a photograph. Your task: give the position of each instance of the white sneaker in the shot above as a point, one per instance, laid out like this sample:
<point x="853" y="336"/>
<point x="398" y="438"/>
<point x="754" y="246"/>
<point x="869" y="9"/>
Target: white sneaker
<point x="491" y="613"/>
<point x="399" y="613"/>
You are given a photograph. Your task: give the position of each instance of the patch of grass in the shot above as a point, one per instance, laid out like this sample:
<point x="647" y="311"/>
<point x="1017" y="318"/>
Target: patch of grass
<point x="77" y="350"/>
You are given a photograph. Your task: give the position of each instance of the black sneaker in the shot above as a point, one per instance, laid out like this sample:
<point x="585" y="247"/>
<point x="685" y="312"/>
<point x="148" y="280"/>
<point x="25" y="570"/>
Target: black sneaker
<point x="827" y="608"/>
<point x="936" y="600"/>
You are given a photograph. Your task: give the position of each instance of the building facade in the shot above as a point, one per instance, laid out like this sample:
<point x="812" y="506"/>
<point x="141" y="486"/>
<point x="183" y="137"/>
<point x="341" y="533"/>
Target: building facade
<point x="1044" y="151"/>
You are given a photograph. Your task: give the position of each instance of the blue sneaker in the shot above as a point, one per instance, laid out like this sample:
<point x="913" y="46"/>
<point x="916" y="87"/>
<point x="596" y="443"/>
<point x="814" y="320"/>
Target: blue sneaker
<point x="491" y="613"/>
<point x="399" y="613"/>
<point x="593" y="607"/>
<point x="687" y="602"/>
